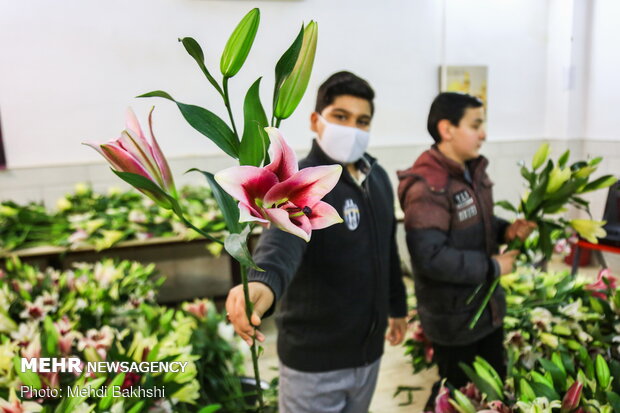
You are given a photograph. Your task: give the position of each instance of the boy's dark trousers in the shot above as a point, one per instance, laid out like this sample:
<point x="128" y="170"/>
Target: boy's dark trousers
<point x="491" y="348"/>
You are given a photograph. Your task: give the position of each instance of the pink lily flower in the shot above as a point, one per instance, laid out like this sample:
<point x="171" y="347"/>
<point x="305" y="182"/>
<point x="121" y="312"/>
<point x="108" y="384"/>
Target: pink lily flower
<point x="442" y="401"/>
<point x="198" y="307"/>
<point x="280" y="193"/>
<point x="14" y="405"/>
<point x="600" y="287"/>
<point x="132" y="152"/>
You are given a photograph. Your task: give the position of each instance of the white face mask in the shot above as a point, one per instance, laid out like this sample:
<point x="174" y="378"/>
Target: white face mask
<point x="344" y="144"/>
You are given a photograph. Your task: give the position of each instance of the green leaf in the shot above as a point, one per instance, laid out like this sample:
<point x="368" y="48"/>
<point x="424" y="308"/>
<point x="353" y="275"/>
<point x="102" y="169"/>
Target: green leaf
<point x="559" y="377"/>
<point x="285" y="65"/>
<point x="210" y="409"/>
<point x="614" y="400"/>
<point x="137" y="408"/>
<point x="255" y="141"/>
<point x="482" y="385"/>
<point x="507" y="206"/>
<point x="485" y="364"/>
<point x="540" y="156"/>
<point x="237" y="247"/>
<point x="28" y="377"/>
<point x="193" y="48"/>
<point x="106" y="402"/>
<point x="595" y="161"/>
<point x="228" y="206"/>
<point x="51" y="337"/>
<point x="537" y="195"/>
<point x="148" y="187"/>
<point x="564" y="158"/>
<point x="614" y="368"/>
<point x="526" y="393"/>
<point x="542" y="390"/>
<point x="239" y="44"/>
<point x="544" y="240"/>
<point x="529" y="176"/>
<point x="205" y="122"/>
<point x="600" y="183"/>
<point x="567" y="360"/>
<point x="463" y="404"/>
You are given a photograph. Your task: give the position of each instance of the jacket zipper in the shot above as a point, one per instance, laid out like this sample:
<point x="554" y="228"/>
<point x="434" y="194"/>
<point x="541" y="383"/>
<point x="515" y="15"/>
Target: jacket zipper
<point x="365" y="189"/>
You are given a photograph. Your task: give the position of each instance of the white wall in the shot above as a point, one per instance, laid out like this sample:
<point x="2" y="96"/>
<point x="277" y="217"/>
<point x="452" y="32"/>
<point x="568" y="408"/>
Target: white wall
<point x="69" y="68"/>
<point x="603" y="121"/>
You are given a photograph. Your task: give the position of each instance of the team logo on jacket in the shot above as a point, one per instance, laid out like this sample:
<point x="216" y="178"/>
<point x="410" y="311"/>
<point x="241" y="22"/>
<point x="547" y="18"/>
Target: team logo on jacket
<point x="351" y="214"/>
<point x="465" y="206"/>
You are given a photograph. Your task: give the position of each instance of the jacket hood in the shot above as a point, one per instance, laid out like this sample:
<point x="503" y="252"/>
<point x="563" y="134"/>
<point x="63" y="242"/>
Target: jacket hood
<point x="435" y="169"/>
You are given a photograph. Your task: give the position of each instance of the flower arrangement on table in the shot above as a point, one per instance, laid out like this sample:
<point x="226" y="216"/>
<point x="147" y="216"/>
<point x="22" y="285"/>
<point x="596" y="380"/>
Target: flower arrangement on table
<point x="106" y="312"/>
<point x="85" y="218"/>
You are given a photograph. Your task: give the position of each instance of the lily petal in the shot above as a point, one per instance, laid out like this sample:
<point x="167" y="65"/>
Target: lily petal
<point x="162" y="163"/>
<point x="247" y="184"/>
<point x="122" y="160"/>
<point x="283" y="159"/>
<point x="246" y="214"/>
<point x="306" y="187"/>
<point x="141" y="151"/>
<point x="281" y="218"/>
<point x="323" y="215"/>
<point x="132" y="123"/>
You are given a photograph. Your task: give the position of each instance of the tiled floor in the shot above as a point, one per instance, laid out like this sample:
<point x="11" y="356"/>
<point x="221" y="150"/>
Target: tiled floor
<point x="395" y="368"/>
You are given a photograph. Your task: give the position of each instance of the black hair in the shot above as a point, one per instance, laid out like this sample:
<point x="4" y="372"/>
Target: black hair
<point x="450" y="106"/>
<point x="343" y="83"/>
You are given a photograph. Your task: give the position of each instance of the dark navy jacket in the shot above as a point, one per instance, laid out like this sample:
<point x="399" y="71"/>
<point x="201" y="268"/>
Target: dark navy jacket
<point x="337" y="290"/>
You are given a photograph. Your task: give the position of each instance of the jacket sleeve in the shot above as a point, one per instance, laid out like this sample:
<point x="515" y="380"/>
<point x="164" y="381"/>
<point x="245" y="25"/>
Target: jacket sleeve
<point x="427" y="222"/>
<point x="398" y="294"/>
<point x="279" y="254"/>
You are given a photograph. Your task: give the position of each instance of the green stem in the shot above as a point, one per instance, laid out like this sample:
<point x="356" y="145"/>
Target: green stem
<point x="513" y="245"/>
<point x="248" y="313"/>
<point x="198" y="230"/>
<point x="278" y="120"/>
<point x="227" y="103"/>
<point x="485" y="301"/>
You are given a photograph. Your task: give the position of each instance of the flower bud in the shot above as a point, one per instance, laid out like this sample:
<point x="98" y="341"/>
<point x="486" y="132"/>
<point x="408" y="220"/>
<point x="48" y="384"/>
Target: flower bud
<point x="294" y="86"/>
<point x="572" y="397"/>
<point x="239" y="44"/>
<point x="602" y="372"/>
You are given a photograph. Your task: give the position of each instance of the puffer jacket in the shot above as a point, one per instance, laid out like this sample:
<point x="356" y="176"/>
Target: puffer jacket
<point x="452" y="235"/>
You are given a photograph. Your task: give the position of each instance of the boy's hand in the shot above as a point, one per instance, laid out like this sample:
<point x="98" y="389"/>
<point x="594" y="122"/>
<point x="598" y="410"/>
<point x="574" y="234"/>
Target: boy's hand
<point x="262" y="298"/>
<point x="397" y="327"/>
<point x="506" y="261"/>
<point x="519" y="229"/>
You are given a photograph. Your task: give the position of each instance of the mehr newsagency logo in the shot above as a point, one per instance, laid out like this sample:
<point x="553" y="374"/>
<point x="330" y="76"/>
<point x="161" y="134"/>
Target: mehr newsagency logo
<point x="76" y="366"/>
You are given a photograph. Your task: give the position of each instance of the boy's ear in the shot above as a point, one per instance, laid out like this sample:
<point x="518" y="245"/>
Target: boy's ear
<point x="314" y="121"/>
<point x="444" y="128"/>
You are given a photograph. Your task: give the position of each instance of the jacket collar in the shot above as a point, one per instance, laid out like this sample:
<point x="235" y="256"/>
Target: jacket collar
<point x="475" y="166"/>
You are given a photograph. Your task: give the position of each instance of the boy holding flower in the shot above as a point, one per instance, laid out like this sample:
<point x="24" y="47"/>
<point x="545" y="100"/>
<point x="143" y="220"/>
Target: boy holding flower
<point x="453" y="239"/>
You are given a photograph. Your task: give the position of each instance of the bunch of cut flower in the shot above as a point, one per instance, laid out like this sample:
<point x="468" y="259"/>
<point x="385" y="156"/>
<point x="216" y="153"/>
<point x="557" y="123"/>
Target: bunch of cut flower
<point x="106" y="312"/>
<point x="267" y="186"/>
<point x="550" y="191"/>
<point x="586" y="384"/>
<point x="546" y="312"/>
<point x="104" y="220"/>
<point x="88" y="219"/>
<point x="29" y="225"/>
